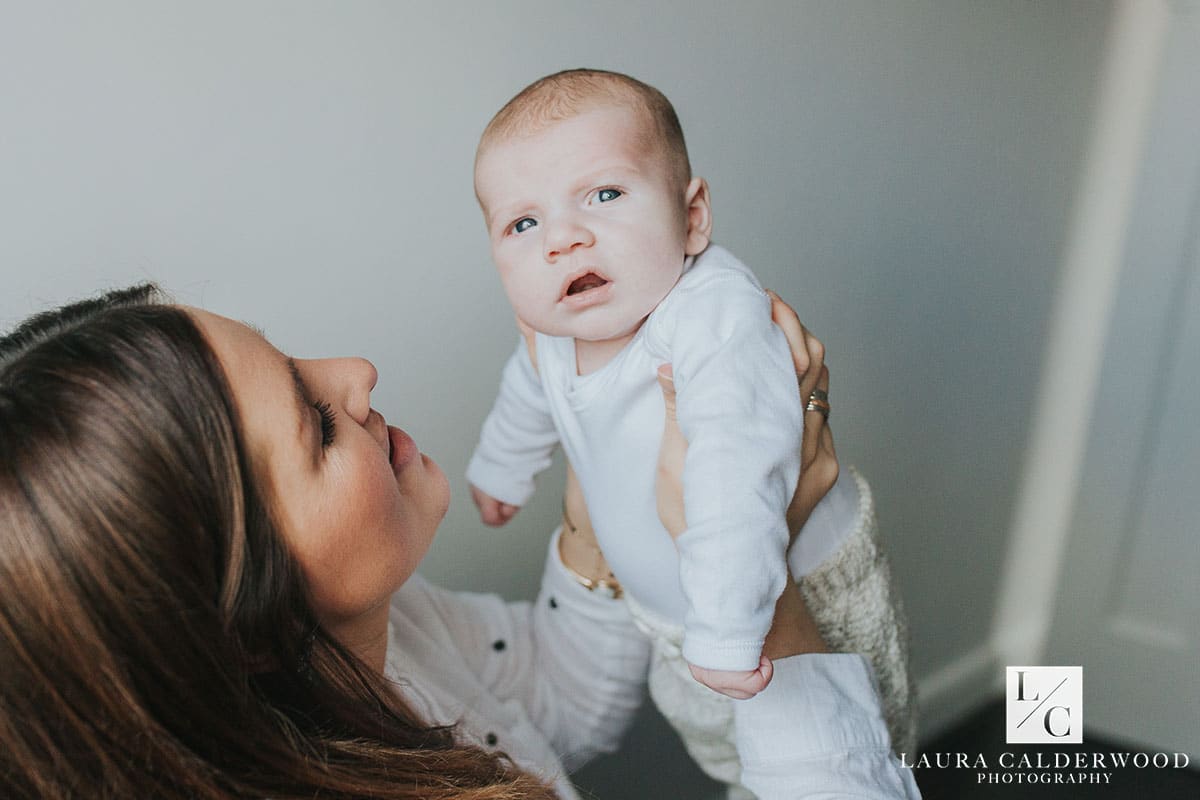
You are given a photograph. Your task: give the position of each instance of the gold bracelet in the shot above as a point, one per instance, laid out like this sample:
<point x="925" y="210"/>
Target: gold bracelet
<point x="608" y="585"/>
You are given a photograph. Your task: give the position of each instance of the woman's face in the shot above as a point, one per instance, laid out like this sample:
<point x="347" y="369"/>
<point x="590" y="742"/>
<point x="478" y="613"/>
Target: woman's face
<point x="357" y="502"/>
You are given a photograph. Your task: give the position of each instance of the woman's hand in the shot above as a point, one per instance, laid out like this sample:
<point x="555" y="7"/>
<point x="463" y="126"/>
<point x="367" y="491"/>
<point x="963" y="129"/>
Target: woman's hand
<point x="818" y="459"/>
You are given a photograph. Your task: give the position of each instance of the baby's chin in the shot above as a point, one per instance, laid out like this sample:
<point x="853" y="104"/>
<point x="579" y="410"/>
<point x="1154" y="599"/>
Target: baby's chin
<point x="619" y="318"/>
<point x="598" y="328"/>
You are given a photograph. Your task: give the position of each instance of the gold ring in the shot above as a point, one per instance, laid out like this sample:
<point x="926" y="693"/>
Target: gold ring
<point x="819" y="401"/>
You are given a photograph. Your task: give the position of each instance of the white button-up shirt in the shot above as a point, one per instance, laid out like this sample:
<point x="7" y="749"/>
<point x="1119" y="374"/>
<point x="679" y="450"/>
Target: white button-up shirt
<point x="557" y="682"/>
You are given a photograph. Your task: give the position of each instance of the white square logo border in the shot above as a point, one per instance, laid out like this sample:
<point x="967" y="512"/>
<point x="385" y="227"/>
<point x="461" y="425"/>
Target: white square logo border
<point x="1043" y="705"/>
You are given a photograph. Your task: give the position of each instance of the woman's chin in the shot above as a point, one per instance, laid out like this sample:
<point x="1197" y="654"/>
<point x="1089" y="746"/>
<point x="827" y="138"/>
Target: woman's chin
<point x="443" y="484"/>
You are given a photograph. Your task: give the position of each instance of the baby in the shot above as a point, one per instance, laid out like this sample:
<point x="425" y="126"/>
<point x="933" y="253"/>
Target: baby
<point x="601" y="235"/>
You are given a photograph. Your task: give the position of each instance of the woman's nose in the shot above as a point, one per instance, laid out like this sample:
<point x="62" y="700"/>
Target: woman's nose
<point x="566" y="235"/>
<point x="352" y="380"/>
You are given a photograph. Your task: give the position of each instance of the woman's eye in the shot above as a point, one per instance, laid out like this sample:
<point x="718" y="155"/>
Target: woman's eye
<point x="328" y="418"/>
<point x="604" y="195"/>
<point x="523" y="224"/>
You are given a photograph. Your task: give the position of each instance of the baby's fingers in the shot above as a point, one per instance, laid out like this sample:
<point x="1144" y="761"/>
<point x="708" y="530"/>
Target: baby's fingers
<point x="494" y="514"/>
<point x="492" y="511"/>
<point x="738" y="685"/>
<point x="761" y="676"/>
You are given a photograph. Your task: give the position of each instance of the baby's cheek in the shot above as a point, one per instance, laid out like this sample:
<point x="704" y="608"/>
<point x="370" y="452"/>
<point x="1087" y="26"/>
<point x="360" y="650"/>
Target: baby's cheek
<point x="515" y="288"/>
<point x="531" y="300"/>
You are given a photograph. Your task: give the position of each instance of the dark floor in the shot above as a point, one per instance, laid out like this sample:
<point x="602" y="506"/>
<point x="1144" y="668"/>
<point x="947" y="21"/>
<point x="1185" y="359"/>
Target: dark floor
<point x="983" y="733"/>
<point x="651" y="765"/>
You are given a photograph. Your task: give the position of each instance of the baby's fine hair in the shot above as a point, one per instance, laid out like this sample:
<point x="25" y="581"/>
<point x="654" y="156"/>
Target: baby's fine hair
<point x="562" y="95"/>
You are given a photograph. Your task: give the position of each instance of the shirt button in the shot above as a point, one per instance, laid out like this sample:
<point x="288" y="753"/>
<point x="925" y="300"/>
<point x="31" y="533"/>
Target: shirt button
<point x="553" y="603"/>
<point x="492" y="740"/>
<point x="499" y="645"/>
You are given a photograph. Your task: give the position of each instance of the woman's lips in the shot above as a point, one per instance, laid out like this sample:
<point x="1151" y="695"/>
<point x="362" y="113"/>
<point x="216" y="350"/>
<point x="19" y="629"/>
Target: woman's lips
<point x="401" y="448"/>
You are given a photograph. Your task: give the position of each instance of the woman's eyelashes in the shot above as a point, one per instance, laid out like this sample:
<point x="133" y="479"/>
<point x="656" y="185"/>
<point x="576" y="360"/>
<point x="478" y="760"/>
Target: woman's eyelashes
<point x="328" y="422"/>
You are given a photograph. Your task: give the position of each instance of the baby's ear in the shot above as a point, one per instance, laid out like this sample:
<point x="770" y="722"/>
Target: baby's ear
<point x="699" y="217"/>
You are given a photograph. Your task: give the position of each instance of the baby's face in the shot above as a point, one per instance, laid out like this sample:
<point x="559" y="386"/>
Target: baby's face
<point x="586" y="227"/>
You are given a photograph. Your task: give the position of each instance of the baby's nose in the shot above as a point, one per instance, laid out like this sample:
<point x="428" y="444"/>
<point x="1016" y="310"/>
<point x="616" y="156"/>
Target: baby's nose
<point x="565" y="237"/>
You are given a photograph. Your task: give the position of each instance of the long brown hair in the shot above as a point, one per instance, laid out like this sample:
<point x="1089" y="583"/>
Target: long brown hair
<point x="155" y="634"/>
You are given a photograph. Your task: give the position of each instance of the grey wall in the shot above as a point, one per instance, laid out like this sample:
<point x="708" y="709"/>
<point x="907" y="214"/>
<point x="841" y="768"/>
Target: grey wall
<point x="901" y="171"/>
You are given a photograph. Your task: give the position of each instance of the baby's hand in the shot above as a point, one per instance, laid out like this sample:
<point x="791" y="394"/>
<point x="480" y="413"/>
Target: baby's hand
<point x="492" y="511"/>
<point x="738" y="685"/>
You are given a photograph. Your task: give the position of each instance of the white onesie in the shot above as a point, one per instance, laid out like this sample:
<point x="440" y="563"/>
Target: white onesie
<point x="740" y="411"/>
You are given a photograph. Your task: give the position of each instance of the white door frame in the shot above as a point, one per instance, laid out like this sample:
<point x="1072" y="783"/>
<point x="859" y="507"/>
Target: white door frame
<point x="1080" y="322"/>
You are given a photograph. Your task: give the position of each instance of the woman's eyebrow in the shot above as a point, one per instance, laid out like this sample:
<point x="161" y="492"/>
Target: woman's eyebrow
<point x="303" y="400"/>
<point x="256" y="329"/>
<point x="301" y="391"/>
<point x="299" y="388"/>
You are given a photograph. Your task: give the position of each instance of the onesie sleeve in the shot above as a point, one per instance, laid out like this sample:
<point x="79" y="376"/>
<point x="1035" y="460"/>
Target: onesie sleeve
<point x="739" y="408"/>
<point x="518" y="436"/>
<point x="817" y="732"/>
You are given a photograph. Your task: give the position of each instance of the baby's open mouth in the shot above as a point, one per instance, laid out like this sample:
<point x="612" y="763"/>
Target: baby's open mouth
<point x="585" y="282"/>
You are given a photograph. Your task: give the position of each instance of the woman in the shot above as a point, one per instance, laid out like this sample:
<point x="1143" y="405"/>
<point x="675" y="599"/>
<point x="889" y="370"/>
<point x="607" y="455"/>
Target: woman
<point x="207" y="559"/>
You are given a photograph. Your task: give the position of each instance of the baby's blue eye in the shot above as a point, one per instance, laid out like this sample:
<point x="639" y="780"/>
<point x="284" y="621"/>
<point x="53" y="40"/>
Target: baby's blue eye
<point x="523" y="224"/>
<point x="604" y="195"/>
